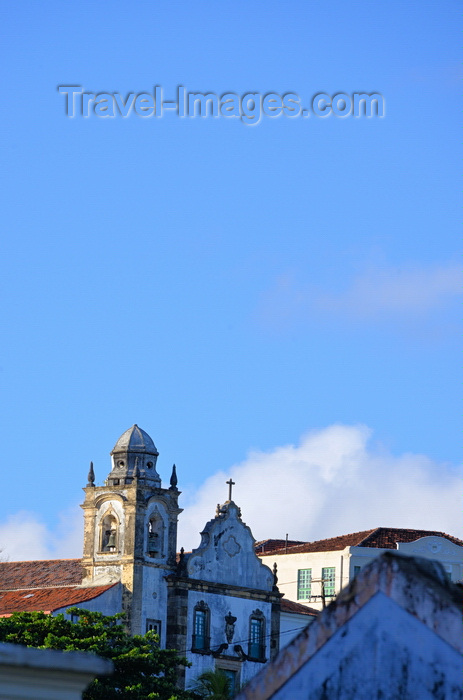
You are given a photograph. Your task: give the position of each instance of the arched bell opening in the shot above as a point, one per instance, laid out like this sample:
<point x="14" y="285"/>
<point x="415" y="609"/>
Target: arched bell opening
<point x="109" y="533"/>
<point x="155" y="536"/>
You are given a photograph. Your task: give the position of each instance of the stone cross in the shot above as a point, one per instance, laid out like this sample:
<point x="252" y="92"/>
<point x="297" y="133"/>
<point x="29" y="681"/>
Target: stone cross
<point x="230" y="485"/>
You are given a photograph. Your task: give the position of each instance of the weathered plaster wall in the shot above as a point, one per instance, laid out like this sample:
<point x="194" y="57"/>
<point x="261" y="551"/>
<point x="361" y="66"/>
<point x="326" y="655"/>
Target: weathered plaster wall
<point x="403" y="659"/>
<point x="141" y="572"/>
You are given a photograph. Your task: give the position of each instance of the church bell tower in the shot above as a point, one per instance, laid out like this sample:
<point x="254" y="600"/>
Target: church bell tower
<point x="130" y="531"/>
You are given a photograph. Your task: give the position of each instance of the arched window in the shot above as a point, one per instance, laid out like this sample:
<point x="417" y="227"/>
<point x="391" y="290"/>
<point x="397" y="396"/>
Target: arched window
<point x="201" y="626"/>
<point x="256" y="645"/>
<point x="109" y="533"/>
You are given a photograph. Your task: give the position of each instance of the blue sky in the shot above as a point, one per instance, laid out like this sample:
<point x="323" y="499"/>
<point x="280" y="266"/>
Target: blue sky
<point x="227" y="287"/>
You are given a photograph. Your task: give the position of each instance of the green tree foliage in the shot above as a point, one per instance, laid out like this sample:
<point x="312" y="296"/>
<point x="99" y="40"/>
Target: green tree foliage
<point x="212" y="685"/>
<point x="142" y="671"/>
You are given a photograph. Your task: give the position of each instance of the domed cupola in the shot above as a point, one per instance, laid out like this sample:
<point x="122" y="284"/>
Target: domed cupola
<point x="134" y="455"/>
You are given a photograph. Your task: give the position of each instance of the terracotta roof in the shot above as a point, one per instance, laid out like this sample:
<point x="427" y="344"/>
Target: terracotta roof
<point x="379" y="537"/>
<point x="292" y="607"/>
<point x="47" y="599"/>
<point x="267" y="546"/>
<point x="16" y="575"/>
<point x="387" y="537"/>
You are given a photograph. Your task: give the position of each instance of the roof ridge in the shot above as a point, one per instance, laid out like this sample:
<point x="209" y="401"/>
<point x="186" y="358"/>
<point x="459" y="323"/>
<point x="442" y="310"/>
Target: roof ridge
<point x="35" y="561"/>
<point x="335" y="537"/>
<point x="429" y="533"/>
<point x="66" y="585"/>
<point x="371" y="534"/>
<point x="36" y="588"/>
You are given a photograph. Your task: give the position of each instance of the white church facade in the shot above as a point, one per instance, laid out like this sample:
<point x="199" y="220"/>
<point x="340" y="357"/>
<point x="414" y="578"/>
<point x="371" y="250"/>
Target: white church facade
<point x="218" y="605"/>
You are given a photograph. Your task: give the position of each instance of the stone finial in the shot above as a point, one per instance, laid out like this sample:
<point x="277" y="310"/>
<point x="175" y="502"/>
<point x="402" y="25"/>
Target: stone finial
<point x="91" y="476"/>
<point x="181" y="564"/>
<point x="173" y="479"/>
<point x="275" y="577"/>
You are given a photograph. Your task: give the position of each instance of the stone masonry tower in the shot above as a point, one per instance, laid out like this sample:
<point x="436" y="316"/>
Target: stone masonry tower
<point x="130" y="531"/>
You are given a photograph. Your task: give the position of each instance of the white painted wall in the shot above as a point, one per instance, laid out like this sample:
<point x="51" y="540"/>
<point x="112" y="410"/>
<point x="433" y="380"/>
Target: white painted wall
<point x="289" y="564"/>
<point x="290" y="626"/>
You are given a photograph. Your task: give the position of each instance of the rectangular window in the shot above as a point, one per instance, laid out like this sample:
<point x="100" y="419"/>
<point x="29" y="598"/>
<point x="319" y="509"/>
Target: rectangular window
<point x="356" y="570"/>
<point x="256" y="648"/>
<point x="200" y="630"/>
<point x="154" y="626"/>
<point x="328" y="574"/>
<point x="231" y="669"/>
<point x="304" y="584"/>
<point x="232" y="677"/>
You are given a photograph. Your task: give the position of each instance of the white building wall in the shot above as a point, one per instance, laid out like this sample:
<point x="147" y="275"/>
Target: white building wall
<point x="440" y="549"/>
<point x="290" y="626"/>
<point x="289" y="564"/>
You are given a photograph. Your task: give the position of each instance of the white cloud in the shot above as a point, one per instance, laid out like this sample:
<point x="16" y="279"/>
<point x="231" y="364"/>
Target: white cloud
<point x="332" y="483"/>
<point x="23" y="536"/>
<point x="382" y="294"/>
<point x="395" y="291"/>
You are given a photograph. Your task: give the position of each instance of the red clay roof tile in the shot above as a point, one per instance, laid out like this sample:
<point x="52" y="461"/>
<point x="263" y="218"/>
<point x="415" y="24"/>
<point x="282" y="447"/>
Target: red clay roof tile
<point x="16" y="575"/>
<point x="47" y="599"/>
<point x="292" y="607"/>
<point x="267" y="546"/>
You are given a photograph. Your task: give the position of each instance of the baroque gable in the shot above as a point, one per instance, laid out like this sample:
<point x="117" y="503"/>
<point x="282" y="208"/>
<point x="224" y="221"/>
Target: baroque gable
<point x="226" y="553"/>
